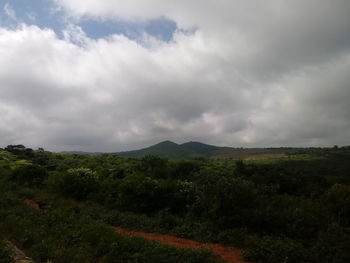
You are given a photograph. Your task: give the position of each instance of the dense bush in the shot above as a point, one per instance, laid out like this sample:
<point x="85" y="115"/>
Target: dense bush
<point x="32" y="174"/>
<point x="288" y="210"/>
<point x="138" y="250"/>
<point x="240" y="237"/>
<point x="228" y="200"/>
<point x="139" y="193"/>
<point x="5" y="256"/>
<point x="62" y="236"/>
<point x="79" y="183"/>
<point x="337" y="203"/>
<point x="276" y="250"/>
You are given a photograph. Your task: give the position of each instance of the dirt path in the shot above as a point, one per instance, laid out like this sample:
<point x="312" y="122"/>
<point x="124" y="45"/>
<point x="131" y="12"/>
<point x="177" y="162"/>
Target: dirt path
<point x="17" y="254"/>
<point x="33" y="204"/>
<point x="228" y="254"/>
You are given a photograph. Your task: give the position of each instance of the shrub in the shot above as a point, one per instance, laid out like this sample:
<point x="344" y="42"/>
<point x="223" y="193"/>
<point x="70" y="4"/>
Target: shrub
<point x="238" y="237"/>
<point x="139" y="193"/>
<point x="79" y="183"/>
<point x="30" y="174"/>
<point x="5" y="256"/>
<point x="275" y="250"/>
<point x="336" y="201"/>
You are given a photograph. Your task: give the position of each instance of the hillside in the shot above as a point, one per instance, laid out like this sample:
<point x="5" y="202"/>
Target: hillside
<point x="168" y="149"/>
<point x="165" y="149"/>
<point x="192" y="149"/>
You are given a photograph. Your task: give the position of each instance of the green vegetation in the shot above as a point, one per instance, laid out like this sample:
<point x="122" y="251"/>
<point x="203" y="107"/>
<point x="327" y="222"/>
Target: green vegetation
<point x="295" y="208"/>
<point x="62" y="237"/>
<point x="5" y="256"/>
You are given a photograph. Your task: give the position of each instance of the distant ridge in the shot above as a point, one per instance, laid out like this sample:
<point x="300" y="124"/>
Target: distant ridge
<point x="81" y="152"/>
<point x="193" y="149"/>
<point x="198" y="147"/>
<point x="167" y="149"/>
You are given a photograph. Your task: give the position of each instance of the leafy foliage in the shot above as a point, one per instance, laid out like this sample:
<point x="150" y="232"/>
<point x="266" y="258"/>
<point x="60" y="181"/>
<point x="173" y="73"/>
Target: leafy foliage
<point x="294" y="209"/>
<point x="276" y="250"/>
<point x="5" y="256"/>
<point x="79" y="183"/>
<point x="32" y="174"/>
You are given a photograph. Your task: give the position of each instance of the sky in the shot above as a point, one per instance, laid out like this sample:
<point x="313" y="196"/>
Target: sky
<point x="115" y="75"/>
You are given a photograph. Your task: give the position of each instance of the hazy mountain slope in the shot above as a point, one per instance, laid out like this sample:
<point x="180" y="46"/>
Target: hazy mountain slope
<point x="164" y="149"/>
<point x="200" y="148"/>
<point x="169" y="149"/>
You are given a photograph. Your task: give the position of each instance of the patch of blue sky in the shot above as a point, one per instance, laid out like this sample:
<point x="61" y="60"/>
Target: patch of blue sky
<point x="41" y="13"/>
<point x="162" y="28"/>
<point x="44" y="14"/>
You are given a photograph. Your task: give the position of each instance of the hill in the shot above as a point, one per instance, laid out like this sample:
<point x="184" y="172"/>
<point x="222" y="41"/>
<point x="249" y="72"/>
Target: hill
<point x="164" y="149"/>
<point x="168" y="149"/>
<point x="192" y="149"/>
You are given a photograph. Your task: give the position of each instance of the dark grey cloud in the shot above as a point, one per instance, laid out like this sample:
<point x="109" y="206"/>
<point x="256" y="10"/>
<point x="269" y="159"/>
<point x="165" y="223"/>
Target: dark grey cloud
<point x="272" y="73"/>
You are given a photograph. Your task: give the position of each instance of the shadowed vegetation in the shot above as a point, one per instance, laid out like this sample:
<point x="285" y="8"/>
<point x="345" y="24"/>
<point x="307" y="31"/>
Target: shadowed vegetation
<point x="289" y="209"/>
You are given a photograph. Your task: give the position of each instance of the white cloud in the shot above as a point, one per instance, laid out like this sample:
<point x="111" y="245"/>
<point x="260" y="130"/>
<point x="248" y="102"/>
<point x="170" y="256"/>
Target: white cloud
<point x="75" y="35"/>
<point x="257" y="74"/>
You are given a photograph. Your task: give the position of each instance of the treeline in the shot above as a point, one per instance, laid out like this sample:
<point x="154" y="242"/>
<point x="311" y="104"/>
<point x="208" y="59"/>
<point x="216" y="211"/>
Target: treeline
<point x="282" y="211"/>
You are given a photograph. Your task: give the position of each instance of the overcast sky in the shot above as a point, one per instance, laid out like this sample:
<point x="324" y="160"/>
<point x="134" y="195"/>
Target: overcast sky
<point x="112" y="75"/>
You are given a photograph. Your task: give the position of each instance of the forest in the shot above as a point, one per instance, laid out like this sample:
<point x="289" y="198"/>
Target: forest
<point x="292" y="209"/>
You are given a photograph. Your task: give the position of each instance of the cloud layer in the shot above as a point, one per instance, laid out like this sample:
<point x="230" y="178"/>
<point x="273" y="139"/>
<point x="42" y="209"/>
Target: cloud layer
<point x="238" y="73"/>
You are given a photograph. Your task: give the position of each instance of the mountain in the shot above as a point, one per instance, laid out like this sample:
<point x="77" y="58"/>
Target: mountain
<point x="170" y="149"/>
<point x="200" y="148"/>
<point x="164" y="149"/>
<point x="81" y="152"/>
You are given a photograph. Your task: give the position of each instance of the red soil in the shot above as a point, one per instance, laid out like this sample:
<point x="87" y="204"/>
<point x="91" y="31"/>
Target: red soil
<point x="228" y="254"/>
<point x="33" y="204"/>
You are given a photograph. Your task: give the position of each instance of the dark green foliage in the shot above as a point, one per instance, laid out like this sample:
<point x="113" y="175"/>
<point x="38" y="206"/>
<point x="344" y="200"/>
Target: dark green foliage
<point x="241" y="169"/>
<point x="5" y="256"/>
<point x="154" y="166"/>
<point x="231" y="201"/>
<point x="276" y="250"/>
<point x="63" y="236"/>
<point x="30" y="174"/>
<point x="240" y="237"/>
<point x="291" y="210"/>
<point x="20" y="150"/>
<point x="337" y="203"/>
<point x="139" y="193"/>
<point x="79" y="183"/>
<point x="137" y="250"/>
